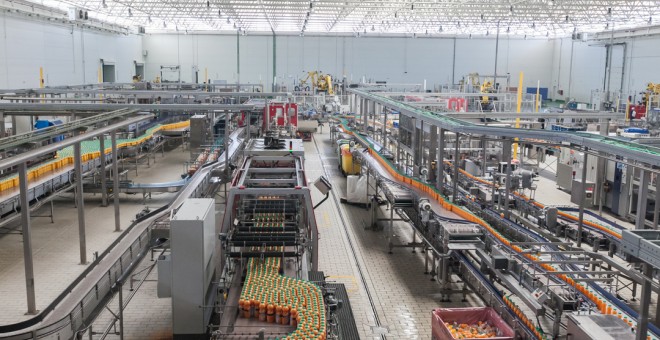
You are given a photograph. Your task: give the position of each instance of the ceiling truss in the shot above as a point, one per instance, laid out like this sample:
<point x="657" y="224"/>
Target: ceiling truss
<point x="375" y="17"/>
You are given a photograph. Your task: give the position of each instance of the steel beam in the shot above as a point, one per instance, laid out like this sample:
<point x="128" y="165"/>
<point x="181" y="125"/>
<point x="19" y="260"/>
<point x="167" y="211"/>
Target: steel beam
<point x="104" y="185"/>
<point x="457" y="148"/>
<point x="80" y="202"/>
<point x="49" y="107"/>
<point x="643" y="317"/>
<point x="115" y="179"/>
<point x="582" y="197"/>
<point x="26" y="230"/>
<point x="440" y="173"/>
<point x="507" y="185"/>
<point x="642" y="197"/>
<point x="645" y="154"/>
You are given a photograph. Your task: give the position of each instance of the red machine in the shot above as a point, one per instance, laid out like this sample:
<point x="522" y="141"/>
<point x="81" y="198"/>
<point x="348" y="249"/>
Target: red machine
<point x="280" y="114"/>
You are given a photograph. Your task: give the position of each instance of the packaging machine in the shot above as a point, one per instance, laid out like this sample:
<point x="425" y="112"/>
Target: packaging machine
<point x="269" y="242"/>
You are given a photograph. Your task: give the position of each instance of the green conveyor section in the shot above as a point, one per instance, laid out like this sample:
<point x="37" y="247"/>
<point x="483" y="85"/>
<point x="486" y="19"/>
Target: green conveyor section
<point x="614" y="146"/>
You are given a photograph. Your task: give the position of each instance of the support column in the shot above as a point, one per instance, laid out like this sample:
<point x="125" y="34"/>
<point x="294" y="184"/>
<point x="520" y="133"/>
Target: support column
<point x="364" y="107"/>
<point x="420" y="145"/>
<point x="398" y="149"/>
<point x="374" y="112"/>
<point x="104" y="185"/>
<point x="115" y="179"/>
<point x="383" y="111"/>
<point x="642" y="197"/>
<point x="601" y="170"/>
<point x="643" y="317"/>
<point x="26" y="230"/>
<point x="80" y="202"/>
<point x="433" y="147"/>
<point x="483" y="160"/>
<point x="656" y="208"/>
<point x="507" y="185"/>
<point x="582" y="195"/>
<point x="440" y="173"/>
<point x="414" y="140"/>
<point x="455" y="179"/>
<point x="3" y="128"/>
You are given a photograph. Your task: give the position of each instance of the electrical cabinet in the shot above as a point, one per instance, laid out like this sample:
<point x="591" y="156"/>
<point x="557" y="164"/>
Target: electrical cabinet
<point x="193" y="267"/>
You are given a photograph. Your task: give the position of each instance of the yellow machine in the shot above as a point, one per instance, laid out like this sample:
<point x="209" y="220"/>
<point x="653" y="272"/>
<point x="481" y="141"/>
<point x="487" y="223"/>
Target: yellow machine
<point x="319" y="81"/>
<point x="347" y="164"/>
<point x="486" y="87"/>
<point x="651" y="95"/>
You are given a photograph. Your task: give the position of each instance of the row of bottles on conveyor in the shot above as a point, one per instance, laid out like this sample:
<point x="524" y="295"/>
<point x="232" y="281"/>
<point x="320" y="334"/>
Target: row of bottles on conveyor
<point x="273" y="298"/>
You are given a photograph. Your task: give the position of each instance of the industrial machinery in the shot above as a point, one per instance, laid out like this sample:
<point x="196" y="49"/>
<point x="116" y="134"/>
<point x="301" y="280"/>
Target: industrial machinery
<point x="347" y="164"/>
<point x="651" y="96"/>
<point x="270" y="250"/>
<point x="280" y="118"/>
<point x="317" y="81"/>
<point x="486" y="101"/>
<point x="514" y="244"/>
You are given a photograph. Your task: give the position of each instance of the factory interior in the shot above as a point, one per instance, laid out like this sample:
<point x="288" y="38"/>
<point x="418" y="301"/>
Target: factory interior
<point x="325" y="169"/>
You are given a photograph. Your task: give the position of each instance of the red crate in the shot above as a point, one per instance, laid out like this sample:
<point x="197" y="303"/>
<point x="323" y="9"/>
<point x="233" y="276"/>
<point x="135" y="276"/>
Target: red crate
<point x="468" y="316"/>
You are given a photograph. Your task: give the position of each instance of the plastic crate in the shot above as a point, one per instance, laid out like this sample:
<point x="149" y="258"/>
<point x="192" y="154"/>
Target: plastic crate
<point x="468" y="316"/>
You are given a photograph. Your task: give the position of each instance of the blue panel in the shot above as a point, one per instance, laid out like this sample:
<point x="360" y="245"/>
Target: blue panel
<point x="543" y="91"/>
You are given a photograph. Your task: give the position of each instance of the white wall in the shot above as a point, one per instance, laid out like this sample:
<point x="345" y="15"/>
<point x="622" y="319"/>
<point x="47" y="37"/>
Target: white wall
<point x="395" y="60"/>
<point x="69" y="55"/>
<point x="578" y="68"/>
<point x="642" y="58"/>
<point x="642" y="62"/>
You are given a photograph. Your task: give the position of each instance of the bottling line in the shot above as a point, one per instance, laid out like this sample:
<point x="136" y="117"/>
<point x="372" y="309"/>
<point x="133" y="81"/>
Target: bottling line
<point x="253" y="270"/>
<point x="492" y="231"/>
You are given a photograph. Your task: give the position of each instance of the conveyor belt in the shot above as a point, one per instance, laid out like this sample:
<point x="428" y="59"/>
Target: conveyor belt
<point x="59" y="311"/>
<point x="614" y="146"/>
<point x="420" y="187"/>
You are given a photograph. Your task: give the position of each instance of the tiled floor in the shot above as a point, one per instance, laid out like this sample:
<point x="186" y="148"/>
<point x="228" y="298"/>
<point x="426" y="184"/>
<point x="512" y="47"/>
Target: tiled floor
<point x="55" y="245"/>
